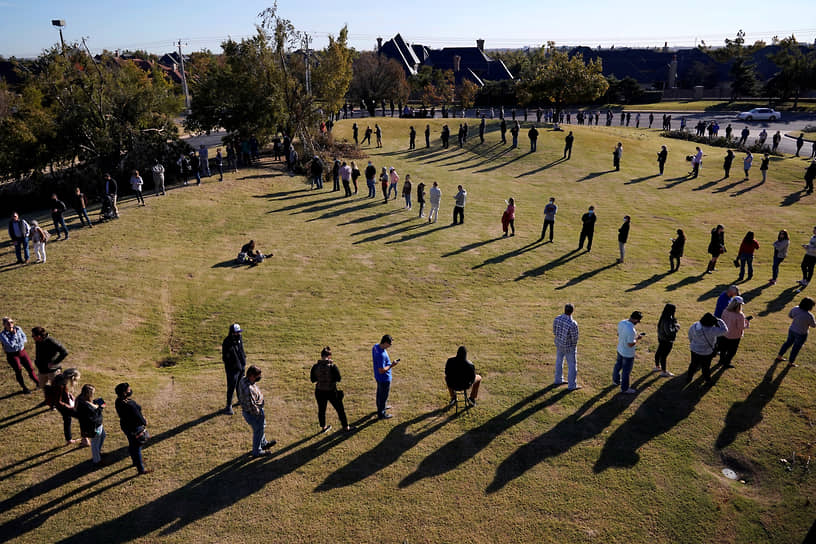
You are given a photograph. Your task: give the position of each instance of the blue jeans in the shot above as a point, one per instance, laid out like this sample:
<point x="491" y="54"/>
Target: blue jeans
<point x="572" y="366"/>
<point x="383" y="389"/>
<point x="318" y="180"/>
<point x="775" y="268"/>
<point x="233" y="377"/>
<point x="96" y="445"/>
<point x="622" y="370"/>
<point x="407" y="199"/>
<point x="21" y="248"/>
<point x="372" y="189"/>
<point x="392" y="186"/>
<point x="257" y="423"/>
<point x="83" y="217"/>
<point x="796" y="340"/>
<point x="59" y="222"/>
<point x="135" y="450"/>
<point x="744" y="259"/>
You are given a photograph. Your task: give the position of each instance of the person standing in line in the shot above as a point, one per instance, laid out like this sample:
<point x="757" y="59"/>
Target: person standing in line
<point x="384" y="182"/>
<point x="623" y="237"/>
<point x="667" y="327"/>
<point x="232" y="160"/>
<point x="133" y="424"/>
<point x="724" y="298"/>
<point x="808" y="261"/>
<point x="382" y="374"/>
<point x="345" y="177"/>
<point x="696" y="162"/>
<point x="58" y="208"/>
<point x="81" y="207"/>
<point x="651" y="119"/>
<point x="65" y="404"/>
<point x="39" y="238"/>
<point x="355" y="174"/>
<point x="14" y="339"/>
<point x="503" y="130"/>
<point x="729" y="159"/>
<point x="482" y="129"/>
<point x="775" y="140"/>
<point x="568" y="146"/>
<point x="195" y="165"/>
<point x="234" y="359"/>
<point x="459" y="206"/>
<point x="219" y="163"/>
<point x="549" y="219"/>
<point x="367" y="135"/>
<point x="378" y="134"/>
<point x="355" y="130"/>
<point x="565" y="332"/>
<point x="252" y="405"/>
<point x="780" y="247"/>
<point x="716" y="247"/>
<point x="810" y="175"/>
<point x="136" y="183"/>
<point x="703" y="341"/>
<point x="370" y="175"/>
<point x="336" y="175"/>
<point x="616" y="156"/>
<point x="158" y="177"/>
<point x="48" y="355"/>
<point x="412" y="138"/>
<point x="316" y="170"/>
<point x="325" y="375"/>
<point x="393" y="181"/>
<point x="533" y="135"/>
<point x="803" y="320"/>
<point x="662" y="155"/>
<point x="509" y="217"/>
<point x="676" y="251"/>
<point x="628" y="338"/>
<point x="763" y="166"/>
<point x="406" y="191"/>
<point x="514" y="132"/>
<point x="204" y="156"/>
<point x="89" y="414"/>
<point x="588" y="229"/>
<point x="435" y="195"/>
<point x="800" y="141"/>
<point x="745" y="255"/>
<point x="747" y="162"/>
<point x="19" y="231"/>
<point x="111" y="189"/>
<point x="427" y="136"/>
<point x="421" y="198"/>
<point x="736" y="322"/>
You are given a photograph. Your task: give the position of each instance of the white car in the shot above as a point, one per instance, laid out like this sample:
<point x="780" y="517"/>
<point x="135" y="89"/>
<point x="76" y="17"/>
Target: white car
<point x="759" y="114"/>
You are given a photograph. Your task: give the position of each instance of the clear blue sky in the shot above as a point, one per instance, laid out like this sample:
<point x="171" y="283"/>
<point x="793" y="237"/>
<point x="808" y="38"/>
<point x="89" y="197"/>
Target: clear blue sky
<point x="25" y="25"/>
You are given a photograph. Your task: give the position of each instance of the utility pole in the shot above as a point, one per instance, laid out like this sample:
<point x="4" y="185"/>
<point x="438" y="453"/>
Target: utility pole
<point x="184" y="80"/>
<point x="60" y="24"/>
<point x="308" y="52"/>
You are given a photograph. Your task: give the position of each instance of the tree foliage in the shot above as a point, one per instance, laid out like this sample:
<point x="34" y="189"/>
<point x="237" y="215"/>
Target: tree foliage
<point x="797" y="71"/>
<point x="467" y="91"/>
<point x="554" y="78"/>
<point x="332" y="75"/>
<point x="377" y="78"/>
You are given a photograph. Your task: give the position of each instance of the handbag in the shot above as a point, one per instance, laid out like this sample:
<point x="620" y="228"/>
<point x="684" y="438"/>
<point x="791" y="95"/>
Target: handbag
<point x="141" y="435"/>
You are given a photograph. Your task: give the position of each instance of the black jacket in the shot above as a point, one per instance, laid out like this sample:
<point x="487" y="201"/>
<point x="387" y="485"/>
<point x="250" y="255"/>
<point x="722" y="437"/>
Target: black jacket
<point x="89" y="418"/>
<point x="232" y="353"/>
<point x="50" y="354"/>
<point x="325" y="375"/>
<point x="58" y="207"/>
<point x="370" y="172"/>
<point x="109" y="186"/>
<point x="623" y="232"/>
<point x="130" y="416"/>
<point x="459" y="373"/>
<point x="588" y="219"/>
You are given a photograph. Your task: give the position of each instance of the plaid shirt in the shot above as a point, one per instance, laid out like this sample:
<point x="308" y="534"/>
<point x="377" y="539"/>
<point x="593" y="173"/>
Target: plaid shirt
<point x="250" y="395"/>
<point x="565" y="330"/>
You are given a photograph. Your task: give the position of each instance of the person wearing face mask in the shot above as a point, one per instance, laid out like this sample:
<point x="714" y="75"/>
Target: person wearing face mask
<point x="252" y="403"/>
<point x="133" y="424"/>
<point x="588" y="229"/>
<point x="234" y="357"/>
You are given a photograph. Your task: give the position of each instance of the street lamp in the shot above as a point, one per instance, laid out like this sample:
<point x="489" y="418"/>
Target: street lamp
<point x="60" y="24"/>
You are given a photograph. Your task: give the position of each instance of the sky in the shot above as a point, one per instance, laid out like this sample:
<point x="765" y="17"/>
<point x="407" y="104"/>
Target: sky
<point x="155" y="26"/>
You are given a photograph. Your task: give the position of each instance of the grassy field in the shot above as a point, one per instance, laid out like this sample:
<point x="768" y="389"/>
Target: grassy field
<point x="148" y="299"/>
<point x="715" y="106"/>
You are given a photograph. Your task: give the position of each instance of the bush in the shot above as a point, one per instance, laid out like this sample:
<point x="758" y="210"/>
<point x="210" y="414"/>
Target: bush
<point x="720" y="141"/>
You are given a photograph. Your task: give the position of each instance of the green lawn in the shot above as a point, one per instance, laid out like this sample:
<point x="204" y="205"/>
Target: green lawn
<point x="148" y="299"/>
<point x="714" y="106"/>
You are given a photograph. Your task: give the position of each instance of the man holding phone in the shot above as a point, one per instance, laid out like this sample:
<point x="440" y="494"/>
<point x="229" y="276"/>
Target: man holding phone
<point x="382" y="374"/>
<point x="628" y="338"/>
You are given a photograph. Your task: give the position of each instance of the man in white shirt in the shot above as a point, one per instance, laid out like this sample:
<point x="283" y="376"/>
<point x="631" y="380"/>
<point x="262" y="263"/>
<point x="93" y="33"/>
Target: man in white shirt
<point x="435" y="195"/>
<point x="628" y="338"/>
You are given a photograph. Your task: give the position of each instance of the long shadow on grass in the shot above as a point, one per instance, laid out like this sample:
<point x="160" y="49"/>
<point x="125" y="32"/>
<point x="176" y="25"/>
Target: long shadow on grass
<point x="707" y="185"/>
<point x="464" y="447"/>
<point x="383" y="227"/>
<point x="9" y="474"/>
<point x="555" y="263"/>
<point x="342" y="211"/>
<point x="714" y="292"/>
<point x="658" y="414"/>
<point x="513" y="253"/>
<point x="371" y="217"/>
<point x="408" y="237"/>
<point x="285" y="195"/>
<point x="19" y="418"/>
<point x="32" y="519"/>
<point x="641" y="179"/>
<point x="744" y="415"/>
<point x="211" y="492"/>
<point x="793" y="198"/>
<point x="726" y="188"/>
<point x="502" y="165"/>
<point x="474" y="245"/>
<point x="14" y="394"/>
<point x="593" y="175"/>
<point x="780" y="302"/>
<point x="542" y="168"/>
<point x="303" y="204"/>
<point x="688" y="280"/>
<point x="567" y="433"/>
<point x="392" y="232"/>
<point x="585" y="276"/>
<point x="746" y="189"/>
<point x="674" y="182"/>
<point x="648" y="281"/>
<point x="396" y="442"/>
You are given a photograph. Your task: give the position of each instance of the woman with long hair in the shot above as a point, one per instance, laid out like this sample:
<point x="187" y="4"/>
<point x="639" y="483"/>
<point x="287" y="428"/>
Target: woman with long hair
<point x="676" y="251"/>
<point x="745" y="255"/>
<point x="780" y="247"/>
<point x="667" y="327"/>
<point x="736" y="322"/>
<point x="89" y="414"/>
<point x="716" y="246"/>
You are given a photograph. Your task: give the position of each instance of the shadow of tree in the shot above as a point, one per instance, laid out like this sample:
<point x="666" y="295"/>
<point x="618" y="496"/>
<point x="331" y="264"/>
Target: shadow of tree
<point x="744" y="415"/>
<point x="393" y="445"/>
<point x="464" y="447"/>
<point x="585" y="276"/>
<point x="669" y="405"/>
<point x="555" y="263"/>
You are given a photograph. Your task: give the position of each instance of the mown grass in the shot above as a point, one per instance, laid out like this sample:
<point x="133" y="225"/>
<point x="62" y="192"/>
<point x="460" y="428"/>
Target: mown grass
<point x="529" y="464"/>
<point x="712" y="106"/>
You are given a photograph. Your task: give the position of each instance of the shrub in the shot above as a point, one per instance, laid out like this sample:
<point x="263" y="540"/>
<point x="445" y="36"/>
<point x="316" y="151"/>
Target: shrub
<point x="720" y="141"/>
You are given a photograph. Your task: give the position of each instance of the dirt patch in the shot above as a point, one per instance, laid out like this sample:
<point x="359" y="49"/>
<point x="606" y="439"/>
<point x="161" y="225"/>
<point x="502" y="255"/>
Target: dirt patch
<point x="167" y="362"/>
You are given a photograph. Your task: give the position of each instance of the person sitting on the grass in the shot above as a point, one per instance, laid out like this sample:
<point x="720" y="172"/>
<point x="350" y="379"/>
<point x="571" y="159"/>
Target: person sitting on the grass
<point x="250" y="255"/>
<point x="460" y="374"/>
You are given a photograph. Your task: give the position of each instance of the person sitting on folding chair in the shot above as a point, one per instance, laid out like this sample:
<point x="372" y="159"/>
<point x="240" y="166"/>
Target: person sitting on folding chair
<point x="460" y="375"/>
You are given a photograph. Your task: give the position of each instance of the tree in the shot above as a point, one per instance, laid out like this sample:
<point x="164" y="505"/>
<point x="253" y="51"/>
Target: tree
<point x="377" y="78"/>
<point x="797" y="71"/>
<point x="467" y="93"/>
<point x="558" y="79"/>
<point x="332" y="75"/>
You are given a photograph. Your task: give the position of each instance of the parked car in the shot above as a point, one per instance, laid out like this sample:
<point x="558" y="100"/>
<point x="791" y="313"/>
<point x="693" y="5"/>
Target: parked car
<point x="759" y="114"/>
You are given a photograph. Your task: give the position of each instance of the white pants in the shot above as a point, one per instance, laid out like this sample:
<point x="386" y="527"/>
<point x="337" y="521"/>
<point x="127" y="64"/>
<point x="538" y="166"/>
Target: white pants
<point x="433" y="213"/>
<point x="39" y="251"/>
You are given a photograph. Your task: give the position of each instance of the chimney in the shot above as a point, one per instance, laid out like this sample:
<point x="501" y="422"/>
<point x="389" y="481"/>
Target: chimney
<point x="480" y="45"/>
<point x="379" y="45"/>
<point x="456" y="61"/>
